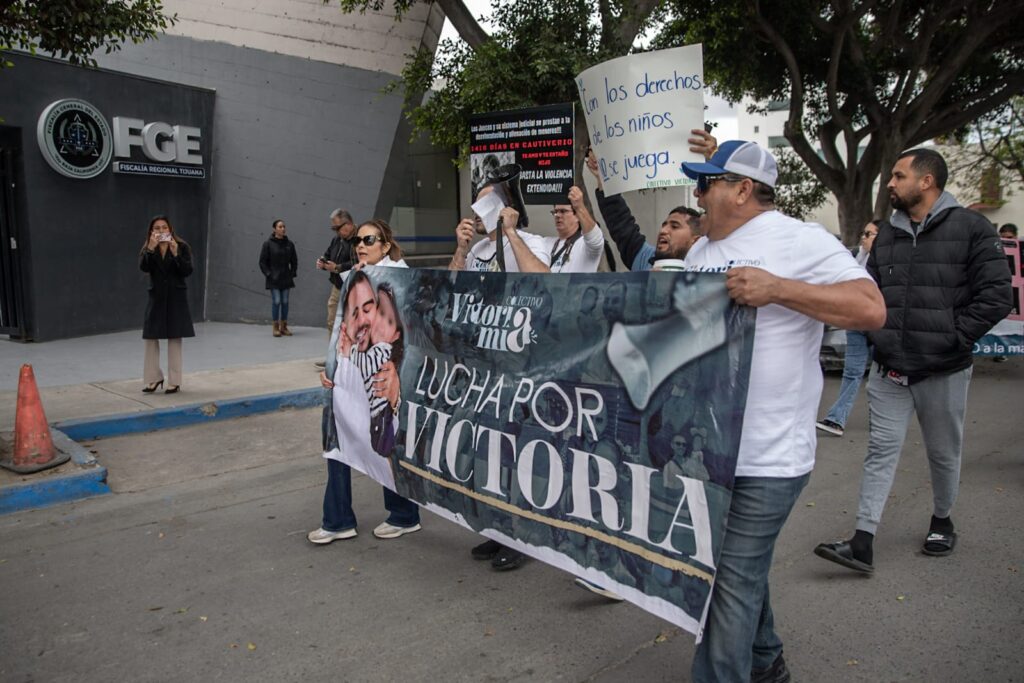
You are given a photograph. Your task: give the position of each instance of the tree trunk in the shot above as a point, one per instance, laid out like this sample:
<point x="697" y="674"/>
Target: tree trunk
<point x="854" y="212"/>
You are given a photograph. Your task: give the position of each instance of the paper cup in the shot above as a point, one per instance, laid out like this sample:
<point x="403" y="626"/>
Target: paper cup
<point x="668" y="264"/>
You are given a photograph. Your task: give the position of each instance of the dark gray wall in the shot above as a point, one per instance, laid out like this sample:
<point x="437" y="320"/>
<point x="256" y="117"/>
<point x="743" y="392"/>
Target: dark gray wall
<point x="80" y="239"/>
<point x="296" y="139"/>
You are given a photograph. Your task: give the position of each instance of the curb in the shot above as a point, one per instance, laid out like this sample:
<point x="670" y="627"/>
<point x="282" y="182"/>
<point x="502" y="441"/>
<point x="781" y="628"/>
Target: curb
<point x="92" y="479"/>
<point x="183" y="416"/>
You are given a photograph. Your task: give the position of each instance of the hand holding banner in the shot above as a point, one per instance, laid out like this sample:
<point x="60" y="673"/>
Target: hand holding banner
<point x="639" y="110"/>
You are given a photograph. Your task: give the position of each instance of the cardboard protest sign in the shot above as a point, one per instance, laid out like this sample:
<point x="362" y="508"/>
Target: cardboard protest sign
<point x="591" y="421"/>
<point x="1007" y="337"/>
<point x="639" y="110"/>
<point x="540" y="139"/>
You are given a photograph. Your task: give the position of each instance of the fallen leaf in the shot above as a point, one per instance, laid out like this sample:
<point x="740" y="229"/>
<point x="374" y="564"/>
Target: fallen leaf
<point x="251" y="647"/>
<point x="203" y="619"/>
<point x="488" y="633"/>
<point x="181" y="610"/>
<point x="234" y="646"/>
<point x="155" y="609"/>
<point x="2" y="561"/>
<point x="852" y="662"/>
<point x="811" y="504"/>
<point x="901" y="598"/>
<point x="1012" y="569"/>
<point x="999" y="489"/>
<point x="161" y="535"/>
<point x="661" y="638"/>
<point x="351" y="569"/>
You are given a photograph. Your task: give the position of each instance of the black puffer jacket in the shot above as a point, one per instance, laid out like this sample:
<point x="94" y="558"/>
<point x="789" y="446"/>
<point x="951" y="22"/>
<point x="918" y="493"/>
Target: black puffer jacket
<point x="279" y="263"/>
<point x="944" y="288"/>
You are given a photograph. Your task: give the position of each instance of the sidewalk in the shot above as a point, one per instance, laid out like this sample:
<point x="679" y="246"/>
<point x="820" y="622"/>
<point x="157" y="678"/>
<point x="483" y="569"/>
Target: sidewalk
<point x="101" y="375"/>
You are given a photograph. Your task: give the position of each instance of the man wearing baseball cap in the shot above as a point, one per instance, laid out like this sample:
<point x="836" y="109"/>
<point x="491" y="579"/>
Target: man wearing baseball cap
<point x="798" y="275"/>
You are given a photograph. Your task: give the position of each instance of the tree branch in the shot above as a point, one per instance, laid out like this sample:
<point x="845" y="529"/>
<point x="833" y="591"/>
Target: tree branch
<point x="464" y="22"/>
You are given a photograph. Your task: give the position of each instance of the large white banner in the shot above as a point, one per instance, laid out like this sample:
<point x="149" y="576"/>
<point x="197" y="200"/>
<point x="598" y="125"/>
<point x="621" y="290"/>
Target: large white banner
<point x="640" y="109"/>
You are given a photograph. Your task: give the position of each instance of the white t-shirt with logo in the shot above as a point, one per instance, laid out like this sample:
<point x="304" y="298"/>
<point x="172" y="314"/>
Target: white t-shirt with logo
<point x="584" y="256"/>
<point x="482" y="257"/>
<point x="785" y="378"/>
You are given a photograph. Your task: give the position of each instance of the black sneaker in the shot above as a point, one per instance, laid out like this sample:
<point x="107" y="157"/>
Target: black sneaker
<point x="508" y="559"/>
<point x="776" y="673"/>
<point x="833" y="428"/>
<point x="487" y="550"/>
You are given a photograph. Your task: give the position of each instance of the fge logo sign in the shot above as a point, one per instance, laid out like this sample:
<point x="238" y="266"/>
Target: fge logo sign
<point x="77" y="142"/>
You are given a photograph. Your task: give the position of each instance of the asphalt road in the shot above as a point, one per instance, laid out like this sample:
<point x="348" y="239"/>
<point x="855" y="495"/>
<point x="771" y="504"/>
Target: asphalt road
<point x="198" y="569"/>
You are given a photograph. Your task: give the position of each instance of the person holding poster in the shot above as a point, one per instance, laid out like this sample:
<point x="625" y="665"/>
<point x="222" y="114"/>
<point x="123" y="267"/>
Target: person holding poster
<point x="370" y="330"/>
<point x="574" y="224"/>
<point x="680" y="229"/>
<point x="524" y="251"/>
<point x="798" y="276"/>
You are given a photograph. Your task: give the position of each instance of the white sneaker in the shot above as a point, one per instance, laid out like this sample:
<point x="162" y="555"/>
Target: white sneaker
<point x="385" y="530"/>
<point x="594" y="588"/>
<point x="321" y="536"/>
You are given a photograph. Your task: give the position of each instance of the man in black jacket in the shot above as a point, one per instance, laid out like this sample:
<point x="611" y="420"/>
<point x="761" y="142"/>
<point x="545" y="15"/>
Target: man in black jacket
<point x="337" y="259"/>
<point x="942" y="271"/>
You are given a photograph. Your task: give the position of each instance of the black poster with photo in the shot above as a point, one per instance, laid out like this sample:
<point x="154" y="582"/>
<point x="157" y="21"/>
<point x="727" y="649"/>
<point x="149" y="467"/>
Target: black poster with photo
<point x="540" y="139"/>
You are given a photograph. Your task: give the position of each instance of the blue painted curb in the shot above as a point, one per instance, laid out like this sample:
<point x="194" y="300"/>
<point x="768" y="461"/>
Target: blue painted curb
<point x="85" y="480"/>
<point x="92" y="479"/>
<point x="182" y="416"/>
<point x="45" y="492"/>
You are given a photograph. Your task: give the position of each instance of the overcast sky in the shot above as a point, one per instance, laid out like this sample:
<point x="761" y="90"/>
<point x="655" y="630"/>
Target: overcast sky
<point x="719" y="111"/>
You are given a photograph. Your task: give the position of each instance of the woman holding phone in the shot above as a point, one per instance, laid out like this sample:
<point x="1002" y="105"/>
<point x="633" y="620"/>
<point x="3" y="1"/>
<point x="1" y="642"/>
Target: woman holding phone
<point x="168" y="260"/>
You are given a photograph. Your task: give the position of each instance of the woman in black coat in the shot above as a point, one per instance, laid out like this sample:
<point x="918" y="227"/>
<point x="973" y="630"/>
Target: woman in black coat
<point x="168" y="260"/>
<point x="279" y="265"/>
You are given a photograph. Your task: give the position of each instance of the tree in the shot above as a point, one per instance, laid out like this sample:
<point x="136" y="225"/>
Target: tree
<point x="798" y="193"/>
<point x="989" y="154"/>
<point x="864" y="79"/>
<point x="531" y="59"/>
<point x="75" y="29"/>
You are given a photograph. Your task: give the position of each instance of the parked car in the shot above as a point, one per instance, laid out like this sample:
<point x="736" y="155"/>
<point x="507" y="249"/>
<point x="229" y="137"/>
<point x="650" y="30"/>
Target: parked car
<point x="833" y="349"/>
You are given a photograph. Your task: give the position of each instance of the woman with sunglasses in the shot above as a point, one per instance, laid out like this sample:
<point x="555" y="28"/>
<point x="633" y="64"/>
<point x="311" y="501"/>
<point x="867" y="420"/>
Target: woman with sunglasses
<point x="168" y="260"/>
<point x="375" y="245"/>
<point x="856" y="357"/>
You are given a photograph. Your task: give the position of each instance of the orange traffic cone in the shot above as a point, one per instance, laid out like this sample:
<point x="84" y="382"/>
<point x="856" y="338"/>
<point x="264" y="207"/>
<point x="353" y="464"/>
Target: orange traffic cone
<point x="33" y="445"/>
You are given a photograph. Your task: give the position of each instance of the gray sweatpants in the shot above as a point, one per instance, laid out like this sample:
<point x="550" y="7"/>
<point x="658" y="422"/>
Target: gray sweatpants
<point x="940" y="403"/>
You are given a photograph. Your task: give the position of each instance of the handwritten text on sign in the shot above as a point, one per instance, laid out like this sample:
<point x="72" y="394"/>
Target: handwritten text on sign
<point x="640" y="109"/>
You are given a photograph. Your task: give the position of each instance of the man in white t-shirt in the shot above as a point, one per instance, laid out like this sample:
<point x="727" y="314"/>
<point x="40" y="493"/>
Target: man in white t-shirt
<point x="798" y="275"/>
<point x="580" y="243"/>
<point x="524" y="251"/>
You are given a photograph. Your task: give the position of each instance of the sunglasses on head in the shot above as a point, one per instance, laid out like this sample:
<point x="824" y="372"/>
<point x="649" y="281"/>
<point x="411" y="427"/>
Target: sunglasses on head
<point x="368" y="240"/>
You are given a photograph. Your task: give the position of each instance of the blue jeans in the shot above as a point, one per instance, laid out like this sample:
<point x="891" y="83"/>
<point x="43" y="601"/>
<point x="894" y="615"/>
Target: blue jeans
<point x="854" y="364"/>
<point x="279" y="304"/>
<point x="739" y="634"/>
<point x="338" y="513"/>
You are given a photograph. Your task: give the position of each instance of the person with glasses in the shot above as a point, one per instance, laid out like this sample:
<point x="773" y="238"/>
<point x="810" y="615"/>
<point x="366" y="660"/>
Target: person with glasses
<point x="579" y="244"/>
<point x="855" y="360"/>
<point x="350" y="425"/>
<point x="798" y="276"/>
<point x="679" y="231"/>
<point x="337" y="259"/>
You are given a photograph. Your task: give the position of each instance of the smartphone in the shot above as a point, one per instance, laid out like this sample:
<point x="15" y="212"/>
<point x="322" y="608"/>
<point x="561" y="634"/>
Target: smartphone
<point x="165" y="237"/>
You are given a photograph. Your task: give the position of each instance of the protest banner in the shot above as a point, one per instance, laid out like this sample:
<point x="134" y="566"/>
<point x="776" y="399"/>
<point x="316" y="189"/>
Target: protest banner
<point x="1007" y="337"/>
<point x="639" y="110"/>
<point x="540" y="139"/>
<point x="590" y="421"/>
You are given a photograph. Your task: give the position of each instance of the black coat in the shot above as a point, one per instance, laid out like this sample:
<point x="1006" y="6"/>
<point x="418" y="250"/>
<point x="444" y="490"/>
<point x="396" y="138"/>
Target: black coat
<point x="167" y="315"/>
<point x="339" y="251"/>
<point x="944" y="288"/>
<point x="279" y="263"/>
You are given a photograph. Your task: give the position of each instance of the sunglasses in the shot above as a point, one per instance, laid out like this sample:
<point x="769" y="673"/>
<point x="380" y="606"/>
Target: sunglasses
<point x="867" y="234"/>
<point x="367" y="240"/>
<point x="705" y="182"/>
<point x="557" y="212"/>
